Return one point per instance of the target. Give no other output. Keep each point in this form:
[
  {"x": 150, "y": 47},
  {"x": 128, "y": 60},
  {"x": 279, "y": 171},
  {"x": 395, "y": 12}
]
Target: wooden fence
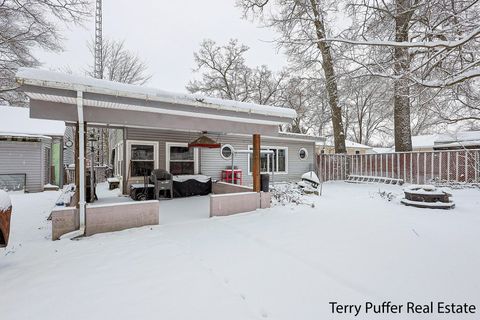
[{"x": 412, "y": 167}]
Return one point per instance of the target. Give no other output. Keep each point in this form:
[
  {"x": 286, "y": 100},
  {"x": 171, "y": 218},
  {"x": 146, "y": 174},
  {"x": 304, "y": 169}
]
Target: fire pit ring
[{"x": 427, "y": 196}]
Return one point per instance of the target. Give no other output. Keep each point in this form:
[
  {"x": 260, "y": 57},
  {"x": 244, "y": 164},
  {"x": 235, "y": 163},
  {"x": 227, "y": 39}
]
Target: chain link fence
[{"x": 412, "y": 167}]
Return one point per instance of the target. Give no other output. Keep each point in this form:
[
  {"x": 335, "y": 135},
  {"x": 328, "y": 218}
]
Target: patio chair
[{"x": 163, "y": 182}]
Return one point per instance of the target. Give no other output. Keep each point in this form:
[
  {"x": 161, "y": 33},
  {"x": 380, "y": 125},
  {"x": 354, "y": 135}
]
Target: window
[
  {"x": 143, "y": 157},
  {"x": 226, "y": 151},
  {"x": 181, "y": 159},
  {"x": 278, "y": 161},
  {"x": 303, "y": 153},
  {"x": 357, "y": 151}
]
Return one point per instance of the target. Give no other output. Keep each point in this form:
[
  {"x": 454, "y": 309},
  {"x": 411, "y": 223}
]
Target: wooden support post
[{"x": 256, "y": 163}]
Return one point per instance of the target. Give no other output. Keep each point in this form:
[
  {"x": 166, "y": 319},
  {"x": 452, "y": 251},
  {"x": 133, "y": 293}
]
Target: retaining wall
[
  {"x": 224, "y": 187},
  {"x": 64, "y": 220},
  {"x": 231, "y": 203},
  {"x": 120, "y": 216}
]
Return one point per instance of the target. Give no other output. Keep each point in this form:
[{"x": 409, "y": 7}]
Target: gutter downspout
[{"x": 81, "y": 159}]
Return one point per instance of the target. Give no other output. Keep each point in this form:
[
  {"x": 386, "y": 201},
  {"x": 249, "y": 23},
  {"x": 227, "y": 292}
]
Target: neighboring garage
[{"x": 31, "y": 151}]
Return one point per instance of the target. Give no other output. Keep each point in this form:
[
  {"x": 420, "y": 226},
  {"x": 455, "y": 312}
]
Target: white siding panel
[{"x": 23, "y": 157}]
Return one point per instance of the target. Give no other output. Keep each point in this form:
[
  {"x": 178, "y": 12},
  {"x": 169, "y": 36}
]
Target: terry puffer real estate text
[{"x": 388, "y": 307}]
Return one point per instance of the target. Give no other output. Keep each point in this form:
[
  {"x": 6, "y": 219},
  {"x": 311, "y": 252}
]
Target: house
[
  {"x": 423, "y": 143},
  {"x": 440, "y": 141},
  {"x": 328, "y": 147},
  {"x": 446, "y": 141},
  {"x": 31, "y": 150},
  {"x": 458, "y": 140},
  {"x": 293, "y": 154},
  {"x": 152, "y": 129}
]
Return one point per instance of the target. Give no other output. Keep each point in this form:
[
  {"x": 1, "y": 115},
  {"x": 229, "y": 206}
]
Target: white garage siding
[{"x": 24, "y": 157}]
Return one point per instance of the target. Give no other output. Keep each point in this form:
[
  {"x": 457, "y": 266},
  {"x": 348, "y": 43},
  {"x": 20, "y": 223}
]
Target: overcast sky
[{"x": 165, "y": 34}]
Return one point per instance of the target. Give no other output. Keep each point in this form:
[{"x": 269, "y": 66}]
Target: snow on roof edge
[
  {"x": 60, "y": 80},
  {"x": 16, "y": 121},
  {"x": 348, "y": 144}
]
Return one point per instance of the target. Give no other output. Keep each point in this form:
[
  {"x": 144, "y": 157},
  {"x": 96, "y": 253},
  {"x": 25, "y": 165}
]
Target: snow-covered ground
[{"x": 287, "y": 262}]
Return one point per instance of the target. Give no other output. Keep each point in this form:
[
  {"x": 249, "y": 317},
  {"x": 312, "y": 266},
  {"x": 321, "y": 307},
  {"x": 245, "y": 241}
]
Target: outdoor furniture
[
  {"x": 236, "y": 178},
  {"x": 141, "y": 192},
  {"x": 183, "y": 186},
  {"x": 113, "y": 183},
  {"x": 373, "y": 179},
  {"x": 191, "y": 185},
  {"x": 163, "y": 182}
]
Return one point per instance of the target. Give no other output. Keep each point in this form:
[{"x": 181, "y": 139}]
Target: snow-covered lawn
[{"x": 280, "y": 263}]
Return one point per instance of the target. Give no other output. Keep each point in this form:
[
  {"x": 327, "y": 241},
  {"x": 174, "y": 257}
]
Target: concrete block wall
[
  {"x": 64, "y": 220},
  {"x": 232, "y": 203},
  {"x": 120, "y": 216}
]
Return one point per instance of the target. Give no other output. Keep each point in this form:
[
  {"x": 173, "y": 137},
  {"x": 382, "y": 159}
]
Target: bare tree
[
  {"x": 120, "y": 64},
  {"x": 302, "y": 25},
  {"x": 224, "y": 74},
  {"x": 368, "y": 108},
  {"x": 307, "y": 96},
  {"x": 29, "y": 24},
  {"x": 432, "y": 44},
  {"x": 459, "y": 105}
]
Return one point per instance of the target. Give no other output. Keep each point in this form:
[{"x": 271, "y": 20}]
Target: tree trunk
[
  {"x": 331, "y": 80},
  {"x": 401, "y": 103}
]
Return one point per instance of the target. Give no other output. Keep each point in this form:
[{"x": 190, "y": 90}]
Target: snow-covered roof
[
  {"x": 32, "y": 76},
  {"x": 446, "y": 139},
  {"x": 424, "y": 141},
  {"x": 463, "y": 136},
  {"x": 303, "y": 136},
  {"x": 16, "y": 121},
  {"x": 348, "y": 144},
  {"x": 383, "y": 150}
]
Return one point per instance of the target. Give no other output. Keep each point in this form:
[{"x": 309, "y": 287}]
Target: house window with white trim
[
  {"x": 181, "y": 159},
  {"x": 143, "y": 160},
  {"x": 142, "y": 157},
  {"x": 277, "y": 162}
]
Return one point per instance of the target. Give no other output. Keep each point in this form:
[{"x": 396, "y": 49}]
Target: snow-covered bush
[{"x": 286, "y": 193}]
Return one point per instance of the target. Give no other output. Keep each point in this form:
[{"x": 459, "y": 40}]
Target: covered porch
[{"x": 86, "y": 102}]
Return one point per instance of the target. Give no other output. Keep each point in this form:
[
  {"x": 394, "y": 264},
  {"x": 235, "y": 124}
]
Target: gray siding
[
  {"x": 211, "y": 163},
  {"x": 24, "y": 157}
]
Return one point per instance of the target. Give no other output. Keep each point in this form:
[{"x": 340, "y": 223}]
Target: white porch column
[{"x": 81, "y": 158}]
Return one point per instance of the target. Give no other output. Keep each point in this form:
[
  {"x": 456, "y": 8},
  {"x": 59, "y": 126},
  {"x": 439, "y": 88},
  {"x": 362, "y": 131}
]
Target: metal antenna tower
[{"x": 98, "y": 71}]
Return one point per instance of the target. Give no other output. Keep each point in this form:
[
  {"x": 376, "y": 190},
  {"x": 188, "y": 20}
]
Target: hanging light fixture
[{"x": 204, "y": 142}]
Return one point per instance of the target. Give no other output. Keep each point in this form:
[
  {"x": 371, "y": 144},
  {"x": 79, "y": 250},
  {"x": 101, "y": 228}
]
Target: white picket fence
[{"x": 412, "y": 167}]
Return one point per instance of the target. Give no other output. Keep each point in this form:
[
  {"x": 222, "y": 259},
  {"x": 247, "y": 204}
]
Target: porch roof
[{"x": 53, "y": 96}]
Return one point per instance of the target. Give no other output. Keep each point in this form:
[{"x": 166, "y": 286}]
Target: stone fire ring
[{"x": 427, "y": 196}]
